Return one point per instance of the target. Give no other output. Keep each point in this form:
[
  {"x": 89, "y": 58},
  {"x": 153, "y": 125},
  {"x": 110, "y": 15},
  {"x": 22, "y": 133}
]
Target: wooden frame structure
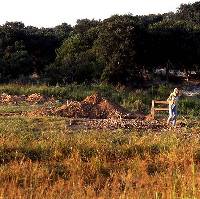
[{"x": 154, "y": 109}]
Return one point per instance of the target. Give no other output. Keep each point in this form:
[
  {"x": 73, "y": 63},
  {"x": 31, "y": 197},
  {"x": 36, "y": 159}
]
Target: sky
[{"x": 49, "y": 13}]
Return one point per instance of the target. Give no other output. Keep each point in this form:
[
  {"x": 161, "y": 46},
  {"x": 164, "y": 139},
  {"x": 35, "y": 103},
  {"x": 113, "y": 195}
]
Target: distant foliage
[
  {"x": 24, "y": 50},
  {"x": 122, "y": 49}
]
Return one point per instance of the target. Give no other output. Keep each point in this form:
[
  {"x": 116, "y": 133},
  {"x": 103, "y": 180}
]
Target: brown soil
[
  {"x": 94, "y": 112},
  {"x": 93, "y": 107},
  {"x": 112, "y": 124},
  {"x": 15, "y": 99}
]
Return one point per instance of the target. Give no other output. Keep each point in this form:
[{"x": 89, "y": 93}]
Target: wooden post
[{"x": 152, "y": 109}]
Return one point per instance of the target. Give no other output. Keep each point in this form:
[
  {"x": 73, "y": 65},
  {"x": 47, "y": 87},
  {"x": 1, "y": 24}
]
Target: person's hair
[{"x": 176, "y": 91}]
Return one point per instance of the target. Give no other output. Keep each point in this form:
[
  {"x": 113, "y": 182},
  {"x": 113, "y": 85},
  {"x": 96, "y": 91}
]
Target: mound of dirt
[
  {"x": 11, "y": 99},
  {"x": 93, "y": 107},
  {"x": 34, "y": 98}
]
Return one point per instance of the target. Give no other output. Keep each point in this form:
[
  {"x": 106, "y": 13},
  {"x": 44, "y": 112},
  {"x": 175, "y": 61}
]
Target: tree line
[{"x": 120, "y": 49}]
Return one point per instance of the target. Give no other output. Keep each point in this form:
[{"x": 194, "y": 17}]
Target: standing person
[{"x": 173, "y": 100}]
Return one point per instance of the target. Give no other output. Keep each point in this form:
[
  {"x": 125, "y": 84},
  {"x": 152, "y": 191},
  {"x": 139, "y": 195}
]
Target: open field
[
  {"x": 42, "y": 157},
  {"x": 53, "y": 156},
  {"x": 84, "y": 106}
]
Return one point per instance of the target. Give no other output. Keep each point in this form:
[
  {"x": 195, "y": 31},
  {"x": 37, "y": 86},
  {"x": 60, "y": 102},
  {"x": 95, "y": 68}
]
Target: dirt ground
[{"x": 94, "y": 112}]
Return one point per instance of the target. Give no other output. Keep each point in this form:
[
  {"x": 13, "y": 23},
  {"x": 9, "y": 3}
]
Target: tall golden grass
[{"x": 43, "y": 158}]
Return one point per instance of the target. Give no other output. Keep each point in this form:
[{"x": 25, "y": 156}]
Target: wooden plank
[
  {"x": 153, "y": 104},
  {"x": 152, "y": 109},
  {"x": 161, "y": 109},
  {"x": 160, "y": 102}
]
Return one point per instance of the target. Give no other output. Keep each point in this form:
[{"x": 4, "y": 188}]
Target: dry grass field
[
  {"x": 42, "y": 157},
  {"x": 53, "y": 156}
]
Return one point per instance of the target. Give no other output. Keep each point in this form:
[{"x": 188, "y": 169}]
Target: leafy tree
[
  {"x": 120, "y": 49},
  {"x": 76, "y": 60},
  {"x": 83, "y": 25},
  {"x": 116, "y": 47},
  {"x": 189, "y": 12},
  {"x": 62, "y": 31},
  {"x": 18, "y": 60}
]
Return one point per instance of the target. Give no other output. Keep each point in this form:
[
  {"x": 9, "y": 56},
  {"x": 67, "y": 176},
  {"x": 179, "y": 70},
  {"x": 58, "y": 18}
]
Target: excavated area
[
  {"x": 92, "y": 107},
  {"x": 94, "y": 112}
]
